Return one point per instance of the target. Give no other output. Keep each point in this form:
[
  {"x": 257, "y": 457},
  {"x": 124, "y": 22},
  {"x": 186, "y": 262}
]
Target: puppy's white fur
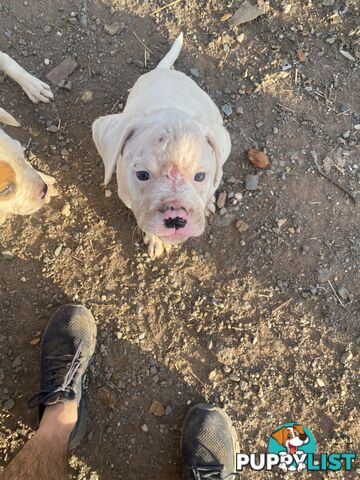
[
  {"x": 171, "y": 129},
  {"x": 22, "y": 193}
]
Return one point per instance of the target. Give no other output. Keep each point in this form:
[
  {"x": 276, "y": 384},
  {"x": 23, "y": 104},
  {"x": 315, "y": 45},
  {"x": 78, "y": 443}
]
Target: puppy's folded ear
[
  {"x": 110, "y": 134},
  {"x": 219, "y": 139},
  {"x": 8, "y": 119}
]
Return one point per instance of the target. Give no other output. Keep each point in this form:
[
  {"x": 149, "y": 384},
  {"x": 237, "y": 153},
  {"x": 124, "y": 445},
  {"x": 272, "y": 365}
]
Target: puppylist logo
[{"x": 292, "y": 447}]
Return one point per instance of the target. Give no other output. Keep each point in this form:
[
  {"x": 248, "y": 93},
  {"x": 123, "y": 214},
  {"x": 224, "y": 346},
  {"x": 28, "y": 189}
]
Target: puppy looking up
[
  {"x": 168, "y": 147},
  {"x": 23, "y": 190}
]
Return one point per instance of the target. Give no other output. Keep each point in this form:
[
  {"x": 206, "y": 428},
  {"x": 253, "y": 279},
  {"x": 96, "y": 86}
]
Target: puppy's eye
[
  {"x": 143, "y": 175},
  {"x": 7, "y": 189},
  {"x": 289, "y": 435},
  {"x": 199, "y": 177}
]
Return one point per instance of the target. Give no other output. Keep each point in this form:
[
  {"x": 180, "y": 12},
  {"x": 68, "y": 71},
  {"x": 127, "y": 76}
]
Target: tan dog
[
  {"x": 23, "y": 190},
  {"x": 168, "y": 148}
]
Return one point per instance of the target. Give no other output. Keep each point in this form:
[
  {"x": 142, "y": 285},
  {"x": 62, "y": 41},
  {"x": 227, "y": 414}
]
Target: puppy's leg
[
  {"x": 156, "y": 246},
  {"x": 34, "y": 88}
]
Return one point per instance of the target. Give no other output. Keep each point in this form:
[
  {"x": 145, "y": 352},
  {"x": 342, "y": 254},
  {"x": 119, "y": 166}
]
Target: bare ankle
[{"x": 59, "y": 418}]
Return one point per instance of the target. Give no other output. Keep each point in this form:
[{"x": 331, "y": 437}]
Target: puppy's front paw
[
  {"x": 155, "y": 245},
  {"x": 36, "y": 90},
  {"x": 210, "y": 207}
]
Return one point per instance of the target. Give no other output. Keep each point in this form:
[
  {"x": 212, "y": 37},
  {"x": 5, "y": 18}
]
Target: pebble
[
  {"x": 195, "y": 72},
  {"x": 234, "y": 377},
  {"x": 343, "y": 293},
  {"x": 346, "y": 357},
  {"x": 144, "y": 428},
  {"x": 17, "y": 362},
  {"x": 251, "y": 182},
  {"x": 240, "y": 37},
  {"x": 242, "y": 226},
  {"x": 320, "y": 382},
  {"x": 9, "y": 404},
  {"x": 83, "y": 20},
  {"x": 66, "y": 210},
  {"x": 47, "y": 29},
  {"x": 53, "y": 128},
  {"x": 328, "y": 3},
  {"x": 324, "y": 275},
  {"x": 168, "y": 410},
  {"x": 227, "y": 109},
  {"x": 212, "y": 375},
  {"x": 287, "y": 8},
  {"x": 114, "y": 28},
  {"x": 108, "y": 193},
  {"x": 157, "y": 409},
  {"x": 221, "y": 200},
  {"x": 7, "y": 255},
  {"x": 57, "y": 250},
  {"x": 239, "y": 110},
  {"x": 87, "y": 96}
]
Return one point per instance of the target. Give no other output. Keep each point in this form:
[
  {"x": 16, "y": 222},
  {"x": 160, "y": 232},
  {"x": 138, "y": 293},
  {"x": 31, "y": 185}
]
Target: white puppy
[
  {"x": 168, "y": 147},
  {"x": 23, "y": 190}
]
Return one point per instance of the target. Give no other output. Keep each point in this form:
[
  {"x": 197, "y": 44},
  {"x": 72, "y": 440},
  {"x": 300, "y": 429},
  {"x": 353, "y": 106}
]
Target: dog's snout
[
  {"x": 176, "y": 223},
  {"x": 43, "y": 191},
  {"x": 303, "y": 436}
]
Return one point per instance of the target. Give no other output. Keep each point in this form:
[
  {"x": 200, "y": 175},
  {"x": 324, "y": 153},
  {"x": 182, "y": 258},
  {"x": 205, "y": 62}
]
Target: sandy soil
[{"x": 247, "y": 320}]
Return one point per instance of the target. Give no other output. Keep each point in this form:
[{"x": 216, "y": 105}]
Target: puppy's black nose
[
  {"x": 44, "y": 191},
  {"x": 303, "y": 436},
  {"x": 176, "y": 223}
]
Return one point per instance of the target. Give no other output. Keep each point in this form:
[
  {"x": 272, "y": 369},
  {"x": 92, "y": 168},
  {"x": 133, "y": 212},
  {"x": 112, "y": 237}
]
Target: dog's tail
[{"x": 170, "y": 58}]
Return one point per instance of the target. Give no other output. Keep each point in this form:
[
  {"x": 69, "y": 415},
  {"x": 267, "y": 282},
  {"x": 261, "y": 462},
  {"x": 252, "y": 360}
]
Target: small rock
[
  {"x": 87, "y": 96},
  {"x": 247, "y": 12},
  {"x": 221, "y": 200},
  {"x": 83, "y": 21},
  {"x": 157, "y": 409},
  {"x": 300, "y": 55},
  {"x": 35, "y": 341},
  {"x": 62, "y": 71},
  {"x": 47, "y": 29},
  {"x": 225, "y": 17},
  {"x": 107, "y": 397},
  {"x": 343, "y": 293},
  {"x": 114, "y": 28},
  {"x": 257, "y": 158},
  {"x": 7, "y": 255},
  {"x": 195, "y": 72},
  {"x": 212, "y": 375},
  {"x": 53, "y": 128},
  {"x": 144, "y": 428},
  {"x": 346, "y": 357},
  {"x": 324, "y": 275},
  {"x": 320, "y": 382},
  {"x": 108, "y": 193},
  {"x": 9, "y": 404},
  {"x": 66, "y": 210},
  {"x": 57, "y": 250},
  {"x": 251, "y": 182},
  {"x": 287, "y": 8},
  {"x": 242, "y": 226},
  {"x": 328, "y": 3},
  {"x": 17, "y": 362},
  {"x": 227, "y": 109},
  {"x": 240, "y": 37},
  {"x": 234, "y": 377},
  {"x": 168, "y": 410},
  {"x": 239, "y": 110},
  {"x": 347, "y": 55}
]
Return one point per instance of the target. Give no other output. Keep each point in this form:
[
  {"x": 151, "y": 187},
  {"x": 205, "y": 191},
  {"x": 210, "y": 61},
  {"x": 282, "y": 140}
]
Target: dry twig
[
  {"x": 336, "y": 295},
  {"x": 165, "y": 6},
  {"x": 331, "y": 180}
]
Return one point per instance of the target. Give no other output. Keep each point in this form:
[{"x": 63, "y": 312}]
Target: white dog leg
[
  {"x": 156, "y": 246},
  {"x": 34, "y": 88},
  {"x": 210, "y": 207}
]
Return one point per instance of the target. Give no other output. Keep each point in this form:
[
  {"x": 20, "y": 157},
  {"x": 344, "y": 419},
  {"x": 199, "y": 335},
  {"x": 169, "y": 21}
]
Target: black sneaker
[
  {"x": 208, "y": 445},
  {"x": 67, "y": 346}
]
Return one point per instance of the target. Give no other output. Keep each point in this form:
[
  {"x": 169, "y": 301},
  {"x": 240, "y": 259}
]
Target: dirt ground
[{"x": 264, "y": 322}]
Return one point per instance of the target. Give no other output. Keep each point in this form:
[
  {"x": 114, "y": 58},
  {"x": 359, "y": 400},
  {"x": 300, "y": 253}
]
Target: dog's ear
[
  {"x": 8, "y": 119},
  {"x": 110, "y": 134},
  {"x": 219, "y": 140},
  {"x": 299, "y": 429},
  {"x": 279, "y": 436}
]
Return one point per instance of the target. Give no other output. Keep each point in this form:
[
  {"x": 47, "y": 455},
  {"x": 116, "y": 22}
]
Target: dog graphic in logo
[{"x": 292, "y": 439}]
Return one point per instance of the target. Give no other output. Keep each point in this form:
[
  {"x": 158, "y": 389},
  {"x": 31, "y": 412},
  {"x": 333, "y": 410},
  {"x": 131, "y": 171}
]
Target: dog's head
[
  {"x": 23, "y": 190},
  {"x": 291, "y": 437},
  {"x": 168, "y": 168}
]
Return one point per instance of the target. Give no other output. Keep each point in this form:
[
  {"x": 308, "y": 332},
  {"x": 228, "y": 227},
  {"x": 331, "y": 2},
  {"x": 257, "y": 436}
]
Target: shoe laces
[
  {"x": 58, "y": 364},
  {"x": 212, "y": 472}
]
